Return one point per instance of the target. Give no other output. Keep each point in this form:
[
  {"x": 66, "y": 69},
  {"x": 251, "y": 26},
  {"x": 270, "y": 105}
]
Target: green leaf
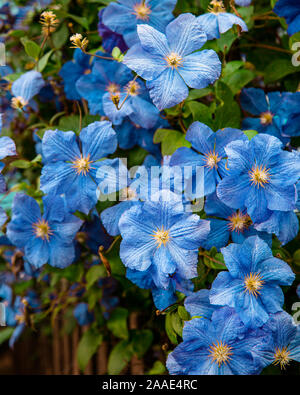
[
  {"x": 119, "y": 357},
  {"x": 170, "y": 140},
  {"x": 117, "y": 323},
  {"x": 5, "y": 334},
  {"x": 141, "y": 342},
  {"x": 31, "y": 48},
  {"x": 157, "y": 368},
  {"x": 21, "y": 164},
  {"x": 44, "y": 60},
  {"x": 183, "y": 314},
  {"x": 237, "y": 80},
  {"x": 60, "y": 37},
  {"x": 94, "y": 274},
  {"x": 170, "y": 330},
  {"x": 278, "y": 69},
  {"x": 88, "y": 346},
  {"x": 250, "y": 133},
  {"x": 199, "y": 111},
  {"x": 296, "y": 257}
]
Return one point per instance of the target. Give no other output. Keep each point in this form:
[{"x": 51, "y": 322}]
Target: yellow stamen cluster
[
  {"x": 266, "y": 118},
  {"x": 49, "y": 21},
  {"x": 259, "y": 176},
  {"x": 113, "y": 88},
  {"x": 82, "y": 165},
  {"x": 18, "y": 103},
  {"x": 216, "y": 6},
  {"x": 78, "y": 41},
  {"x": 212, "y": 159},
  {"x": 220, "y": 353},
  {"x": 133, "y": 88},
  {"x": 161, "y": 236},
  {"x": 238, "y": 222},
  {"x": 174, "y": 60},
  {"x": 42, "y": 229},
  {"x": 142, "y": 11},
  {"x": 253, "y": 283},
  {"x": 282, "y": 357}
]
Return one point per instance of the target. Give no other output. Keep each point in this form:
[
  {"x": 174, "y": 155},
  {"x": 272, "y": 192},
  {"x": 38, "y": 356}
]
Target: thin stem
[
  {"x": 80, "y": 116},
  {"x": 98, "y": 56},
  {"x": 126, "y": 97},
  {"x": 270, "y": 47},
  {"x": 211, "y": 258}
]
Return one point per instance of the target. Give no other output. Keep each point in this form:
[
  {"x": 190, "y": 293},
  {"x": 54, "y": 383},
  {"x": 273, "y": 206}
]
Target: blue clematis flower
[
  {"x": 45, "y": 238},
  {"x": 217, "y": 21},
  {"x": 27, "y": 86},
  {"x": 261, "y": 177},
  {"x": 95, "y": 235},
  {"x": 220, "y": 346},
  {"x": 198, "y": 304},
  {"x": 233, "y": 224},
  {"x": 169, "y": 63},
  {"x": 124, "y": 16},
  {"x": 110, "y": 39},
  {"x": 290, "y": 10},
  {"x": 275, "y": 113},
  {"x": 285, "y": 225},
  {"x": 72, "y": 71},
  {"x": 83, "y": 315},
  {"x": 163, "y": 298},
  {"x": 284, "y": 343},
  {"x": 251, "y": 285},
  {"x": 212, "y": 155},
  {"x": 109, "y": 83},
  {"x": 158, "y": 235},
  {"x": 72, "y": 170}
]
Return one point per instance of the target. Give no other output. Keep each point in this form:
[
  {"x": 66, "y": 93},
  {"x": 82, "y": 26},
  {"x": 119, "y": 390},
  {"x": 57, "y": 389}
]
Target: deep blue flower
[
  {"x": 212, "y": 155},
  {"x": 276, "y": 113},
  {"x": 290, "y": 10},
  {"x": 217, "y": 21},
  {"x": 158, "y": 235},
  {"x": 110, "y": 39},
  {"x": 284, "y": 343},
  {"x": 285, "y": 225},
  {"x": 251, "y": 285},
  {"x": 95, "y": 235},
  {"x": 72, "y": 71},
  {"x": 220, "y": 346},
  {"x": 47, "y": 237},
  {"x": 72, "y": 163},
  {"x": 198, "y": 304},
  {"x": 169, "y": 63},
  {"x": 124, "y": 16},
  {"x": 261, "y": 177},
  {"x": 163, "y": 298},
  {"x": 27, "y": 86},
  {"x": 83, "y": 315},
  {"x": 111, "y": 80},
  {"x": 234, "y": 224}
]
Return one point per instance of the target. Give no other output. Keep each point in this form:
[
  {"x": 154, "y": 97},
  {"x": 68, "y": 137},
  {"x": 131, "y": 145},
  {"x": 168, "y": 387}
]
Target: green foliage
[
  {"x": 88, "y": 346},
  {"x": 170, "y": 140}
]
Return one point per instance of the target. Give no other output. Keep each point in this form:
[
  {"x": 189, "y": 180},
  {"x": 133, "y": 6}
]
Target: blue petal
[
  {"x": 7, "y": 147},
  {"x": 168, "y": 89},
  {"x": 254, "y": 101},
  {"x": 185, "y": 34},
  {"x": 60, "y": 146},
  {"x": 28, "y": 85},
  {"x": 153, "y": 41}
]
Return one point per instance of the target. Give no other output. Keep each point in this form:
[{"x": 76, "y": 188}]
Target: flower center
[
  {"x": 113, "y": 88},
  {"x": 82, "y": 165},
  {"x": 220, "y": 353},
  {"x": 212, "y": 159},
  {"x": 238, "y": 222},
  {"x": 161, "y": 236},
  {"x": 282, "y": 357},
  {"x": 266, "y": 118},
  {"x": 259, "y": 175},
  {"x": 42, "y": 229},
  {"x": 133, "y": 88},
  {"x": 18, "y": 103},
  {"x": 216, "y": 7},
  {"x": 174, "y": 60},
  {"x": 142, "y": 11},
  {"x": 253, "y": 283}
]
